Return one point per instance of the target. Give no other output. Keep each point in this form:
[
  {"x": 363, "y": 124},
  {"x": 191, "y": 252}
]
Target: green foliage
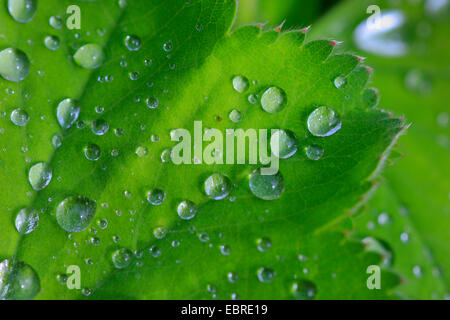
[{"x": 240, "y": 246}]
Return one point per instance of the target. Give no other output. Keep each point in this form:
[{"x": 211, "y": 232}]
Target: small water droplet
[
  {"x": 324, "y": 122},
  {"x": 52, "y": 42},
  {"x": 273, "y": 100},
  {"x": 314, "y": 152},
  {"x": 168, "y": 46},
  {"x": 156, "y": 196},
  {"x": 141, "y": 151},
  {"x": 160, "y": 232},
  {"x": 283, "y": 144},
  {"x": 240, "y": 83},
  {"x": 265, "y": 274},
  {"x": 304, "y": 290},
  {"x": 27, "y": 220},
  {"x": 67, "y": 112},
  {"x": 217, "y": 186},
  {"x": 92, "y": 152},
  {"x": 19, "y": 117},
  {"x": 152, "y": 102},
  {"x": 100, "y": 127},
  {"x": 89, "y": 56},
  {"x": 340, "y": 82},
  {"x": 187, "y": 209},
  {"x": 56, "y": 22},
  {"x": 133, "y": 42},
  {"x": 121, "y": 258},
  {"x": 263, "y": 244},
  {"x": 75, "y": 213},
  {"x": 40, "y": 175},
  {"x": 266, "y": 187},
  {"x": 235, "y": 116}
]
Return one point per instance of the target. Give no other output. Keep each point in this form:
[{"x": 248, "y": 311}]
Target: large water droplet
[
  {"x": 304, "y": 290},
  {"x": 122, "y": 258},
  {"x": 217, "y": 186},
  {"x": 75, "y": 213},
  {"x": 266, "y": 187},
  {"x": 67, "y": 112},
  {"x": 240, "y": 83},
  {"x": 324, "y": 122},
  {"x": 265, "y": 274},
  {"x": 132, "y": 42},
  {"x": 314, "y": 152},
  {"x": 273, "y": 100},
  {"x": 187, "y": 209},
  {"x": 19, "y": 117},
  {"x": 92, "y": 152},
  {"x": 89, "y": 56},
  {"x": 384, "y": 37},
  {"x": 14, "y": 64},
  {"x": 18, "y": 281},
  {"x": 156, "y": 196},
  {"x": 283, "y": 144},
  {"x": 27, "y": 220},
  {"x": 22, "y": 11},
  {"x": 40, "y": 175}
]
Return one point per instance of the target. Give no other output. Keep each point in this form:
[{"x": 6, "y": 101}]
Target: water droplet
[
  {"x": 240, "y": 83},
  {"x": 252, "y": 98},
  {"x": 55, "y": 22},
  {"x": 19, "y": 117},
  {"x": 232, "y": 277},
  {"x": 304, "y": 290},
  {"x": 324, "y": 122},
  {"x": 155, "y": 251},
  {"x": 89, "y": 56},
  {"x": 18, "y": 281},
  {"x": 62, "y": 278},
  {"x": 121, "y": 258},
  {"x": 27, "y": 220},
  {"x": 22, "y": 11},
  {"x": 40, "y": 175},
  {"x": 141, "y": 151},
  {"x": 264, "y": 244},
  {"x": 418, "y": 82},
  {"x": 156, "y": 196},
  {"x": 133, "y": 43},
  {"x": 217, "y": 186},
  {"x": 273, "y": 100},
  {"x": 168, "y": 46},
  {"x": 314, "y": 152},
  {"x": 160, "y": 232},
  {"x": 380, "y": 247},
  {"x": 203, "y": 236},
  {"x": 384, "y": 38},
  {"x": 57, "y": 140},
  {"x": 417, "y": 271},
  {"x": 51, "y": 42},
  {"x": 187, "y": 209},
  {"x": 235, "y": 116},
  {"x": 92, "y": 152},
  {"x": 265, "y": 274},
  {"x": 152, "y": 102},
  {"x": 67, "y": 112},
  {"x": 75, "y": 213},
  {"x": 100, "y": 127},
  {"x": 340, "y": 82},
  {"x": 383, "y": 219},
  {"x": 225, "y": 249},
  {"x": 404, "y": 237},
  {"x": 266, "y": 187},
  {"x": 14, "y": 64},
  {"x": 283, "y": 144}
]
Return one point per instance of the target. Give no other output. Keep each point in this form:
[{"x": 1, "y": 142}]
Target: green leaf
[
  {"x": 110, "y": 158},
  {"x": 414, "y": 85}
]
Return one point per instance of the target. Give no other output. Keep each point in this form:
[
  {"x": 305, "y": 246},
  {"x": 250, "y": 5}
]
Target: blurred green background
[{"x": 407, "y": 46}]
